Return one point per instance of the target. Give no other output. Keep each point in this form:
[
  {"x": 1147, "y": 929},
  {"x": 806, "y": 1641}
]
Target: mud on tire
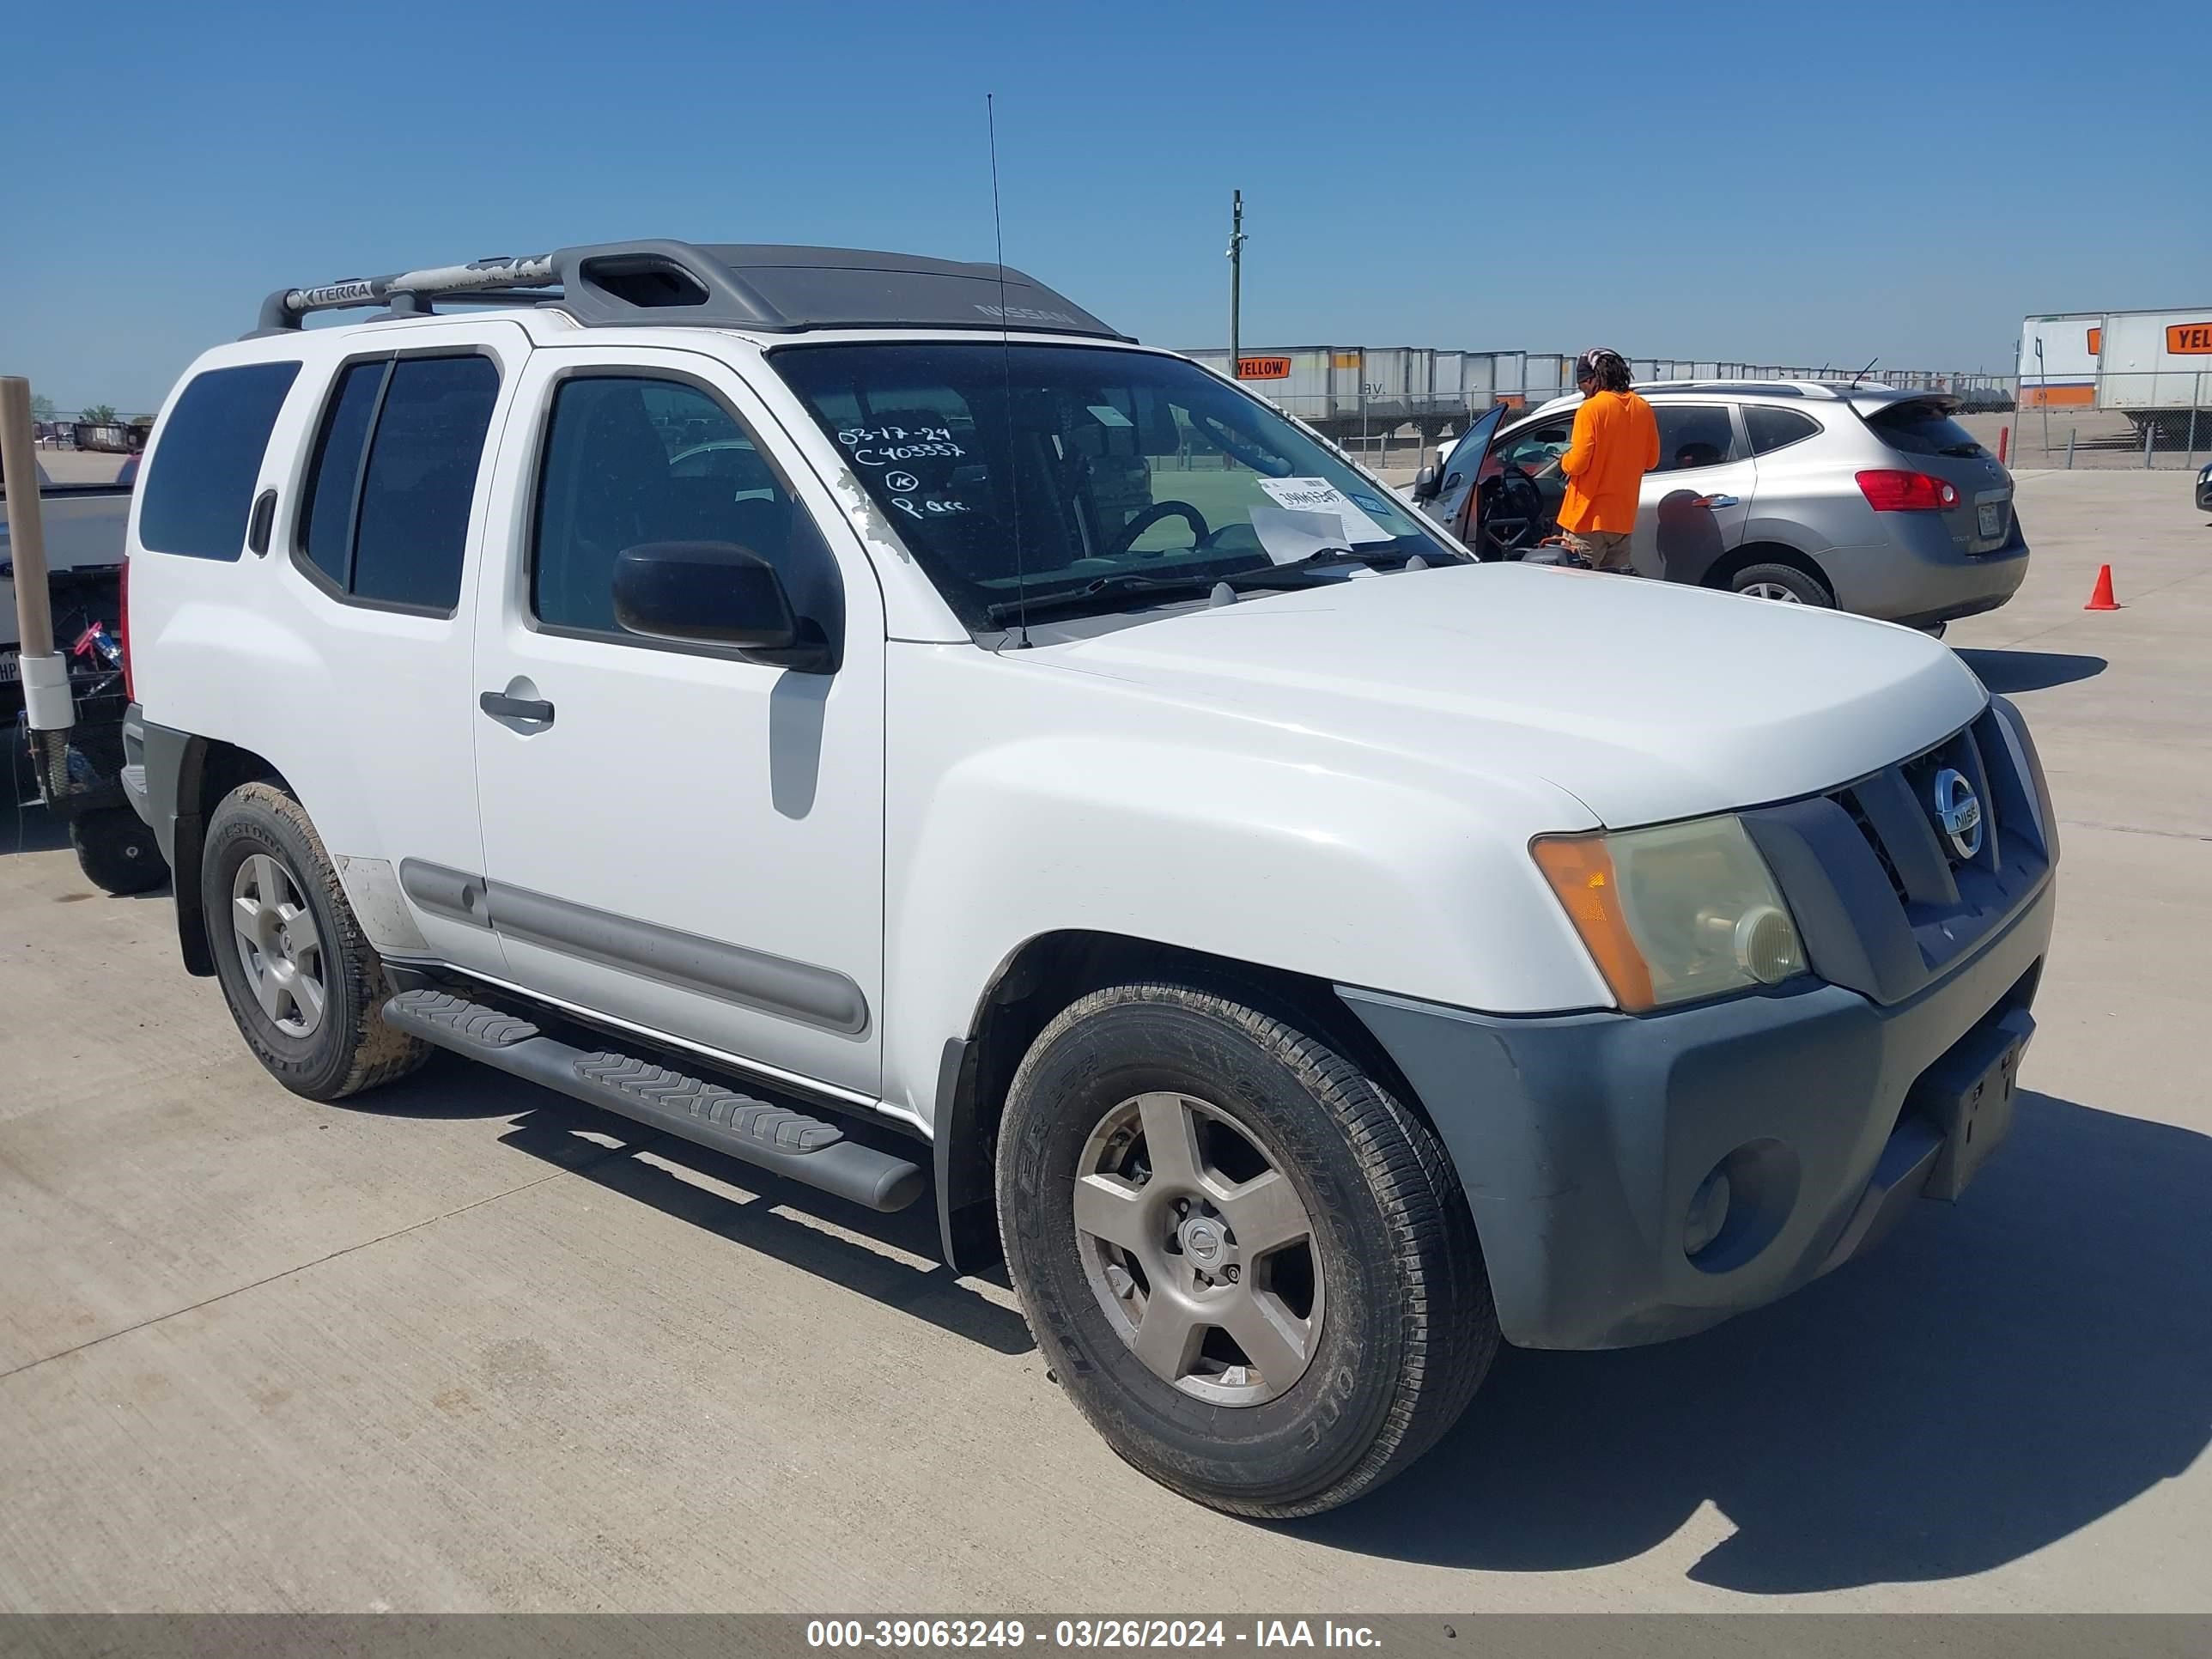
[{"x": 346, "y": 1047}]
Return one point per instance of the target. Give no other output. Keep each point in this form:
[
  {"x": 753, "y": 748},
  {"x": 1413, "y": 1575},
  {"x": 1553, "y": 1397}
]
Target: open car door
[{"x": 1452, "y": 490}]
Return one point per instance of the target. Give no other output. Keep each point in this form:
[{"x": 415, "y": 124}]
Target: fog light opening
[
  {"x": 1709, "y": 1208},
  {"x": 1741, "y": 1207}
]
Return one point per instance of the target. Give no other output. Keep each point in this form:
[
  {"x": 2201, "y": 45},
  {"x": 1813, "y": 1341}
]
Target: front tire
[
  {"x": 1252, "y": 1268},
  {"x": 306, "y": 991}
]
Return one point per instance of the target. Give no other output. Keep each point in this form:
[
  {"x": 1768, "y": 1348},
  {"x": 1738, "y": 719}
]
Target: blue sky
[{"x": 1779, "y": 181}]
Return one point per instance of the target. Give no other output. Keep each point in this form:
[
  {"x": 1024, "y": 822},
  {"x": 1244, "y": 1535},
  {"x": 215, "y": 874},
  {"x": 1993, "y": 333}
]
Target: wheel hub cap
[
  {"x": 278, "y": 945},
  {"x": 1199, "y": 1249},
  {"x": 1202, "y": 1241}
]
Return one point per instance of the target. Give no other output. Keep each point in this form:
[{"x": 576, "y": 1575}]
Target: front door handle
[
  {"x": 1716, "y": 501},
  {"x": 500, "y": 707}
]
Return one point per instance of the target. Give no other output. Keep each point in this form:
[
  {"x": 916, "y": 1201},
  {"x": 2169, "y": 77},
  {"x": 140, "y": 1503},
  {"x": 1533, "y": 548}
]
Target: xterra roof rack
[{"x": 769, "y": 288}]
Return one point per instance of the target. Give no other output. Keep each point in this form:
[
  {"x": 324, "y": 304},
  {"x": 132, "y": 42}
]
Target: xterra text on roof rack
[{"x": 740, "y": 688}]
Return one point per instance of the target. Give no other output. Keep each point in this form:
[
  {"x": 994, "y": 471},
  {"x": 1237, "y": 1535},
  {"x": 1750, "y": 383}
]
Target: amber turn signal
[{"x": 1581, "y": 872}]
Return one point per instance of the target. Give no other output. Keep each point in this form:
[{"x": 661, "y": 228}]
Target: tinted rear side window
[
  {"x": 1691, "y": 435},
  {"x": 421, "y": 478},
  {"x": 200, "y": 488},
  {"x": 1923, "y": 429},
  {"x": 1776, "y": 429},
  {"x": 386, "y": 516}
]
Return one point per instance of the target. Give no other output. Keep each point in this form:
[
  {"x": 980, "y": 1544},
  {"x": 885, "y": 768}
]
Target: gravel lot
[{"x": 465, "y": 1345}]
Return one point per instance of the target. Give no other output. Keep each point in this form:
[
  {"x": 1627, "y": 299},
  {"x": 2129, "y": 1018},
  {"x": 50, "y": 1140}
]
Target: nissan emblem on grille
[{"x": 1959, "y": 812}]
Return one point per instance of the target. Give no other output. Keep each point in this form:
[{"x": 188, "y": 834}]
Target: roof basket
[{"x": 769, "y": 288}]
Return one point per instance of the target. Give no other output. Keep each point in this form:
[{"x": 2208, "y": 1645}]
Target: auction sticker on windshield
[{"x": 1320, "y": 496}]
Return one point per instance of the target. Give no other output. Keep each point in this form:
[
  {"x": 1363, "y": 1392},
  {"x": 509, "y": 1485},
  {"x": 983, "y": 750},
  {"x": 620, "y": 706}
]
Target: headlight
[{"x": 1673, "y": 913}]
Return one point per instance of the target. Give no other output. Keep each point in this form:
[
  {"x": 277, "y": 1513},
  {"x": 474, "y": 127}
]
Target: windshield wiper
[
  {"x": 1374, "y": 559},
  {"x": 1305, "y": 571},
  {"x": 1311, "y": 570},
  {"x": 1108, "y": 588}
]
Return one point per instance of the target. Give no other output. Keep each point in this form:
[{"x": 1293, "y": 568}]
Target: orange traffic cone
[{"x": 2102, "y": 598}]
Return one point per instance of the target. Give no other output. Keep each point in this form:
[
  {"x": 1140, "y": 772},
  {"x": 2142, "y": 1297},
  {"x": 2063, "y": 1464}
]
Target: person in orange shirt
[{"x": 1615, "y": 442}]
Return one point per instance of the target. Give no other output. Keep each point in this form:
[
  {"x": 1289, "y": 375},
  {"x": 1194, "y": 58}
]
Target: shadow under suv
[{"x": 1863, "y": 498}]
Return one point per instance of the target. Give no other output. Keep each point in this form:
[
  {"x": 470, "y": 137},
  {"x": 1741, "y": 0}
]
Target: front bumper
[{"x": 1583, "y": 1139}]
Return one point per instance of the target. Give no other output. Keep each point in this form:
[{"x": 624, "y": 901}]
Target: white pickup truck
[
  {"x": 861, "y": 714},
  {"x": 84, "y": 525}
]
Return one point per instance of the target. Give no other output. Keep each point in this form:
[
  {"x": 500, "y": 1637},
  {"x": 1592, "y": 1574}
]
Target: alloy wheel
[
  {"x": 1199, "y": 1248},
  {"x": 278, "y": 945}
]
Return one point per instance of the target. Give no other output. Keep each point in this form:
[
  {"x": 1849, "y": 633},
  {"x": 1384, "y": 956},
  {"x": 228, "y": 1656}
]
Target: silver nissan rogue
[{"x": 1864, "y": 498}]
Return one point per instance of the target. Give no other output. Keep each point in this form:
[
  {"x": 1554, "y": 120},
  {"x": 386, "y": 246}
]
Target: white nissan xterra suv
[{"x": 862, "y": 714}]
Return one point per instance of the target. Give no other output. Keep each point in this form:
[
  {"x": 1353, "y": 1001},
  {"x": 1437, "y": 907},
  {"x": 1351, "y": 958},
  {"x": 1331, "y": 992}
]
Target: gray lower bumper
[
  {"x": 1582, "y": 1139},
  {"x": 133, "y": 776},
  {"x": 1921, "y": 577}
]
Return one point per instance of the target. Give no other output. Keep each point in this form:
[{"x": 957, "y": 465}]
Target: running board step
[{"x": 774, "y": 1137}]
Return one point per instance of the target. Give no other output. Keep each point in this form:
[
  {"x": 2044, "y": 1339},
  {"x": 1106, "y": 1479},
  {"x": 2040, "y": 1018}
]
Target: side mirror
[
  {"x": 1425, "y": 484},
  {"x": 717, "y": 594}
]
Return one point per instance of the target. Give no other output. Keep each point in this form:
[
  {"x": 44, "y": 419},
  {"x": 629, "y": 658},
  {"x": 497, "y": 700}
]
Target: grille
[
  {"x": 1848, "y": 800},
  {"x": 1834, "y": 853},
  {"x": 1963, "y": 754},
  {"x": 1894, "y": 811}
]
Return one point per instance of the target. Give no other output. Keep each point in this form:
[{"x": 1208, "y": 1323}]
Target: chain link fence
[
  {"x": 2154, "y": 419},
  {"x": 1391, "y": 407}
]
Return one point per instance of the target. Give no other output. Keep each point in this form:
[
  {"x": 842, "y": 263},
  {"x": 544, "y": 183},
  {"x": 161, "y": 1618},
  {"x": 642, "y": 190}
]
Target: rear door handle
[
  {"x": 1716, "y": 501},
  {"x": 500, "y": 707}
]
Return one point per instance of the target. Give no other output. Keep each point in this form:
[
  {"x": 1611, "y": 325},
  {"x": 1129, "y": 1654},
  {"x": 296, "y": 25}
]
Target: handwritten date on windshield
[{"x": 854, "y": 436}]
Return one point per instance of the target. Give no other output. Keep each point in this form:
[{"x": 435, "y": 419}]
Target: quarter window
[
  {"x": 1692, "y": 436},
  {"x": 386, "y": 517},
  {"x": 1776, "y": 429},
  {"x": 200, "y": 488},
  {"x": 629, "y": 459},
  {"x": 328, "y": 515}
]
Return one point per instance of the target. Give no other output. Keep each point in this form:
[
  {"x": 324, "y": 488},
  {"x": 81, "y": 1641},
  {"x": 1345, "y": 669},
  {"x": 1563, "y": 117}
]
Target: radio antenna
[{"x": 1006, "y": 378}]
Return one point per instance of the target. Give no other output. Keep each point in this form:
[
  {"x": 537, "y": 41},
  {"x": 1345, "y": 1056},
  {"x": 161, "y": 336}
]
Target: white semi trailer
[{"x": 2153, "y": 366}]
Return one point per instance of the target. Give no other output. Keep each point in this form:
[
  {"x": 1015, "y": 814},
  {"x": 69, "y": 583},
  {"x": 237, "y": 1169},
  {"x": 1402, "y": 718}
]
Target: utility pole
[{"x": 1235, "y": 283}]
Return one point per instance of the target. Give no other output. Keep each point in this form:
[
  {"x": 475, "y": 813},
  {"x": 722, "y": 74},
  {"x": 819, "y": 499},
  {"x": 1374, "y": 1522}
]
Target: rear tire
[
  {"x": 303, "y": 984},
  {"x": 1783, "y": 582},
  {"x": 1378, "y": 1324},
  {"x": 117, "y": 852}
]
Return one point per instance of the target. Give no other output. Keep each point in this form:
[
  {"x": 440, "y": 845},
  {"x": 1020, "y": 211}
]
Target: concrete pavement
[{"x": 465, "y": 1345}]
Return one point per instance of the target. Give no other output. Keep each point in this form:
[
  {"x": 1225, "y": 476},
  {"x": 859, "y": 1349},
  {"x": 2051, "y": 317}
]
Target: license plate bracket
[{"x": 1969, "y": 1096}]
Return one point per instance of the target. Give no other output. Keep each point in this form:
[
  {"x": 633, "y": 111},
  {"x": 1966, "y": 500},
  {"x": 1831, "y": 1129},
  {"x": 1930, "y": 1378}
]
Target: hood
[{"x": 1646, "y": 702}]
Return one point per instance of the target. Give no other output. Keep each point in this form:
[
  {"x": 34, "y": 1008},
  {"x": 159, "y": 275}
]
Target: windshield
[{"x": 1130, "y": 476}]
